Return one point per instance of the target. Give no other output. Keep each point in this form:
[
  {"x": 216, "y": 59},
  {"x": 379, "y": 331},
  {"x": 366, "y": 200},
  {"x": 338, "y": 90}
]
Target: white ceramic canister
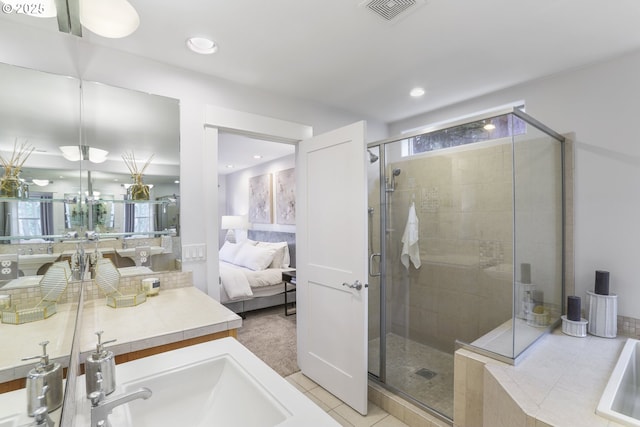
[{"x": 151, "y": 286}]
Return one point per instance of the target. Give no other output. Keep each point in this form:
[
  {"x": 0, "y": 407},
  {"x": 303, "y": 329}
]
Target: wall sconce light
[
  {"x": 75, "y": 153},
  {"x": 109, "y": 18},
  {"x": 231, "y": 223}
]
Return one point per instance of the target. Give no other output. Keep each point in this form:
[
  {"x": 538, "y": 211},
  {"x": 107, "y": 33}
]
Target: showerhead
[
  {"x": 391, "y": 185},
  {"x": 372, "y": 157}
]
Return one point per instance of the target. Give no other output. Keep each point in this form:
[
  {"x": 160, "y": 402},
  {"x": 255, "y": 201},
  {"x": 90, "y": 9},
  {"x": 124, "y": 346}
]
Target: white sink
[
  {"x": 216, "y": 383},
  {"x": 131, "y": 252},
  {"x": 10, "y": 421},
  {"x": 218, "y": 398},
  {"x": 29, "y": 264}
]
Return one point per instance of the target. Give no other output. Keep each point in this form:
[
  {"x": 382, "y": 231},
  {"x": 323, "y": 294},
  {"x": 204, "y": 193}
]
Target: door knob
[{"x": 357, "y": 285}]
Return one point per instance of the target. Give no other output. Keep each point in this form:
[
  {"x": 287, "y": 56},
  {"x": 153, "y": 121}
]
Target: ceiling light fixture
[
  {"x": 109, "y": 18},
  {"x": 417, "y": 92},
  {"x": 257, "y": 156},
  {"x": 75, "y": 153},
  {"x": 229, "y": 166},
  {"x": 202, "y": 45},
  {"x": 41, "y": 182}
]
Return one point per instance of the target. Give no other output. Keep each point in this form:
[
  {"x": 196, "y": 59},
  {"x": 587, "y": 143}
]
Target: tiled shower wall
[{"x": 464, "y": 201}]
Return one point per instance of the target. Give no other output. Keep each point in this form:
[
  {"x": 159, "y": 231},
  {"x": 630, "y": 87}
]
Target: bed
[{"x": 251, "y": 271}]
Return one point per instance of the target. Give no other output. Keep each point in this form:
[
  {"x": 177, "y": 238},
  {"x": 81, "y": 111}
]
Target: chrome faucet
[{"x": 101, "y": 408}]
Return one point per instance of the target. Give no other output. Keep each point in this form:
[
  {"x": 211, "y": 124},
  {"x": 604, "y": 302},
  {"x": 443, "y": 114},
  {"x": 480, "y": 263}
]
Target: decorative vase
[
  {"x": 138, "y": 190},
  {"x": 11, "y": 186}
]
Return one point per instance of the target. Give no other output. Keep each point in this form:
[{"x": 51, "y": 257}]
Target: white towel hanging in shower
[{"x": 410, "y": 248}]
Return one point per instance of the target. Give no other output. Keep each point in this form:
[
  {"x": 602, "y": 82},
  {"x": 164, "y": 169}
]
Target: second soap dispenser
[
  {"x": 102, "y": 361},
  {"x": 45, "y": 374}
]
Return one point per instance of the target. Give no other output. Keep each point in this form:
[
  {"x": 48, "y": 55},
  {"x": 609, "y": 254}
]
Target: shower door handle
[
  {"x": 357, "y": 285},
  {"x": 371, "y": 273}
]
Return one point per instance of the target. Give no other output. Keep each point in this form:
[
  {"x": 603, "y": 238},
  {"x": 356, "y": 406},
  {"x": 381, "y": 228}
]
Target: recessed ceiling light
[
  {"x": 202, "y": 45},
  {"x": 257, "y": 156},
  {"x": 177, "y": 181},
  {"x": 489, "y": 126},
  {"x": 417, "y": 92},
  {"x": 229, "y": 166}
]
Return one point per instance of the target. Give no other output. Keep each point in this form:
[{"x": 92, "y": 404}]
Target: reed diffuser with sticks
[
  {"x": 10, "y": 184},
  {"x": 138, "y": 190}
]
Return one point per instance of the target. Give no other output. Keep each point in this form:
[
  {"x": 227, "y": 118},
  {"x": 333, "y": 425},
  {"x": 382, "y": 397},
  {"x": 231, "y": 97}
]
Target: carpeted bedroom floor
[{"x": 271, "y": 336}]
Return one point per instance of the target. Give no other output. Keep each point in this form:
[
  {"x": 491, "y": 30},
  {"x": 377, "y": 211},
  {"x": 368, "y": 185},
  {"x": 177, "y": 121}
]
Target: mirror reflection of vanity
[
  {"x": 81, "y": 205},
  {"x": 69, "y": 195}
]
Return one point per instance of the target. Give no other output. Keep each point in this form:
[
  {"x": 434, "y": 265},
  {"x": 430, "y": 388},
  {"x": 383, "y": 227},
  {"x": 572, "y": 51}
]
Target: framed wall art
[
  {"x": 260, "y": 197},
  {"x": 286, "y": 197}
]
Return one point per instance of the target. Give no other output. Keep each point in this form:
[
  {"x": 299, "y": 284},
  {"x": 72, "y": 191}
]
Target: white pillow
[
  {"x": 254, "y": 257},
  {"x": 228, "y": 251},
  {"x": 281, "y": 249}
]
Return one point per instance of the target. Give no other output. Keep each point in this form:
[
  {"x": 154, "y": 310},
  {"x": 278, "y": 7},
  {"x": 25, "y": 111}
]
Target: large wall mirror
[{"x": 76, "y": 199}]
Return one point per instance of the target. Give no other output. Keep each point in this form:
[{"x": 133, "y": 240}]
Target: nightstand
[{"x": 289, "y": 279}]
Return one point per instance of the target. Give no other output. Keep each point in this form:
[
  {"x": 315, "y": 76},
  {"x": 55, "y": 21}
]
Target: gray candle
[
  {"x": 602, "y": 282},
  {"x": 525, "y": 273},
  {"x": 573, "y": 308}
]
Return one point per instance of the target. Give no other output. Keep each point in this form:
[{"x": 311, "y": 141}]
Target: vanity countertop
[
  {"x": 560, "y": 381},
  {"x": 20, "y": 341},
  {"x": 171, "y": 316}
]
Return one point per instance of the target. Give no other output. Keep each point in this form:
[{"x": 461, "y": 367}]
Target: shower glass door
[
  {"x": 375, "y": 255},
  {"x": 454, "y": 215}
]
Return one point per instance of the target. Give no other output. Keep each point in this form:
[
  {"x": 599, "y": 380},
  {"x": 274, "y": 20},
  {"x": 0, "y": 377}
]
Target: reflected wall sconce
[
  {"x": 76, "y": 153},
  {"x": 231, "y": 223},
  {"x": 489, "y": 126}
]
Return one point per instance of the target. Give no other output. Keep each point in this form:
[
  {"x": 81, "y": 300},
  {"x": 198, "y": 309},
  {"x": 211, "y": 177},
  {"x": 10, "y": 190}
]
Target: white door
[{"x": 331, "y": 263}]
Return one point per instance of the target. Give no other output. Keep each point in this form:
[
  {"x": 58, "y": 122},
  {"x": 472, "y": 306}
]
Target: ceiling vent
[{"x": 392, "y": 10}]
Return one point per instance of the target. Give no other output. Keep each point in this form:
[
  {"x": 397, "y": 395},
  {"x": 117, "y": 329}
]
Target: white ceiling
[{"x": 338, "y": 53}]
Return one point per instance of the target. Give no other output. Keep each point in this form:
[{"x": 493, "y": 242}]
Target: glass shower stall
[{"x": 466, "y": 248}]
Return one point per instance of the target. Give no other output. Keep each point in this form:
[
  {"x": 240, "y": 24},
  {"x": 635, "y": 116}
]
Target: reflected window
[
  {"x": 35, "y": 218},
  {"x": 138, "y": 218}
]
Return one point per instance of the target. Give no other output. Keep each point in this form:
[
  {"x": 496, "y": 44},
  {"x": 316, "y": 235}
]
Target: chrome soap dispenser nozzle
[
  {"x": 101, "y": 361},
  {"x": 45, "y": 374}
]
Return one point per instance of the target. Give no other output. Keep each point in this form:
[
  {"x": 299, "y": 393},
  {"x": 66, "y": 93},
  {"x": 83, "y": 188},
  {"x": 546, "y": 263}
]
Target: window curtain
[
  {"x": 4, "y": 224},
  {"x": 129, "y": 217},
  {"x": 46, "y": 215}
]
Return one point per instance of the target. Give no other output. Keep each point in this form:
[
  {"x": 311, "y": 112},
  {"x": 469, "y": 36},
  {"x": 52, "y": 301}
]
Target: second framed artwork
[{"x": 286, "y": 197}]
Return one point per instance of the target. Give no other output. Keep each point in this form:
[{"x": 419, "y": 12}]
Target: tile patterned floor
[
  {"x": 342, "y": 413},
  {"x": 405, "y": 358}
]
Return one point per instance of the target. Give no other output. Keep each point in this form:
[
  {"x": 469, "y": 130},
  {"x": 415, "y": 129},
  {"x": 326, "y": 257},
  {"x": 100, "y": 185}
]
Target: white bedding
[{"x": 238, "y": 282}]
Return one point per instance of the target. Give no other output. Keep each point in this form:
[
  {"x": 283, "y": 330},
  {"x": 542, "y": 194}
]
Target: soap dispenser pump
[
  {"x": 44, "y": 374},
  {"x": 102, "y": 361}
]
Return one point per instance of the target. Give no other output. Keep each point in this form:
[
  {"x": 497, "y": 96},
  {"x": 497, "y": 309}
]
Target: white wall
[
  {"x": 69, "y": 55},
  {"x": 600, "y": 104}
]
